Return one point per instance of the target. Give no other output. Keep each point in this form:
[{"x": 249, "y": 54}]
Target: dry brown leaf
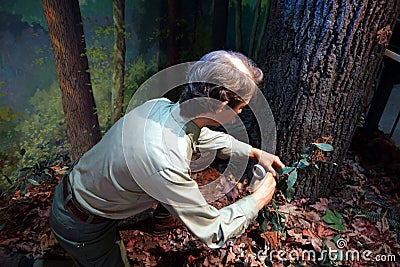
[
  {"x": 231, "y": 256},
  {"x": 8, "y": 241},
  {"x": 271, "y": 238},
  {"x": 205, "y": 262},
  {"x": 313, "y": 216},
  {"x": 289, "y": 208},
  {"x": 25, "y": 247},
  {"x": 314, "y": 239},
  {"x": 383, "y": 35},
  {"x": 44, "y": 242},
  {"x": 44, "y": 213},
  {"x": 297, "y": 236},
  {"x": 321, "y": 204},
  {"x": 306, "y": 224},
  {"x": 383, "y": 225},
  {"x": 317, "y": 244},
  {"x": 324, "y": 232}
]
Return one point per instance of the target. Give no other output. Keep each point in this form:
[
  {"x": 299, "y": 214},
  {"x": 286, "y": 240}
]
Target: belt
[{"x": 75, "y": 209}]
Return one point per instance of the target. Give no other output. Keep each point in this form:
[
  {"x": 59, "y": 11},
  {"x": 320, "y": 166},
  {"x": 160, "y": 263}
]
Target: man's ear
[{"x": 222, "y": 106}]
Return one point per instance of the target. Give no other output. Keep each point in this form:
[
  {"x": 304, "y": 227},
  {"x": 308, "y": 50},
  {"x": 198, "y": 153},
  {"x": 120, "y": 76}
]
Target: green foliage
[
  {"x": 334, "y": 219},
  {"x": 265, "y": 217},
  {"x": 44, "y": 129},
  {"x": 305, "y": 162},
  {"x": 138, "y": 71},
  {"x": 8, "y": 137},
  {"x": 95, "y": 8},
  {"x": 8, "y": 121},
  {"x": 323, "y": 146},
  {"x": 25, "y": 175},
  {"x": 391, "y": 214},
  {"x": 104, "y": 31},
  {"x": 30, "y": 11},
  {"x": 101, "y": 67},
  {"x": 41, "y": 131},
  {"x": 40, "y": 137},
  {"x": 100, "y": 58},
  {"x": 7, "y": 115}
]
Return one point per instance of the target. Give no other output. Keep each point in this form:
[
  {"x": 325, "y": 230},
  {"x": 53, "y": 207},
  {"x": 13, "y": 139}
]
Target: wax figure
[{"x": 144, "y": 159}]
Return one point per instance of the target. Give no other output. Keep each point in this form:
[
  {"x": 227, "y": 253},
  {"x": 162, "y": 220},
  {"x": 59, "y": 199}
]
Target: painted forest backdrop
[{"x": 32, "y": 128}]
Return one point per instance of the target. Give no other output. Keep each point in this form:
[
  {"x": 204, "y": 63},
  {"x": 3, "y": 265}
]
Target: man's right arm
[{"x": 265, "y": 191}]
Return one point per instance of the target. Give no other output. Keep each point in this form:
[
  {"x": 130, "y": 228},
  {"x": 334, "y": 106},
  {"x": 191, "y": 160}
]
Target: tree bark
[
  {"x": 220, "y": 24},
  {"x": 320, "y": 72},
  {"x": 66, "y": 34},
  {"x": 117, "y": 94}
]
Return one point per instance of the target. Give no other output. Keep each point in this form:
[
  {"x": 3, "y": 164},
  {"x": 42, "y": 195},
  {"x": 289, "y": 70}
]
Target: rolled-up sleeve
[
  {"x": 225, "y": 144},
  {"x": 214, "y": 227}
]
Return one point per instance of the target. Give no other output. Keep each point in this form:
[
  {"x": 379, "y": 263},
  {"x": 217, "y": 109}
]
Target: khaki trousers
[{"x": 88, "y": 244}]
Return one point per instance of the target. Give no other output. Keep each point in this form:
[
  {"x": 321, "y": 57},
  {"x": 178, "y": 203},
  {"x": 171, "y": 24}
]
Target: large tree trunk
[
  {"x": 117, "y": 95},
  {"x": 219, "y": 24},
  {"x": 66, "y": 33},
  {"x": 321, "y": 66}
]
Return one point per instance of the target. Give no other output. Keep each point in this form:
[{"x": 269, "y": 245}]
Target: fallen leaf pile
[
  {"x": 24, "y": 222},
  {"x": 365, "y": 202}
]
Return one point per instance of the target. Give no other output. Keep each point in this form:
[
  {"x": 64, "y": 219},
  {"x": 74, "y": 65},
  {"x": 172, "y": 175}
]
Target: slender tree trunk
[
  {"x": 321, "y": 67},
  {"x": 117, "y": 94},
  {"x": 220, "y": 24},
  {"x": 262, "y": 31},
  {"x": 197, "y": 8},
  {"x": 254, "y": 28},
  {"x": 172, "y": 42},
  {"x": 172, "y": 53},
  {"x": 66, "y": 34},
  {"x": 238, "y": 25}
]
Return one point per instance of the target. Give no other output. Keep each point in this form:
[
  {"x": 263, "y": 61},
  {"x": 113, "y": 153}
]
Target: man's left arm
[{"x": 227, "y": 146}]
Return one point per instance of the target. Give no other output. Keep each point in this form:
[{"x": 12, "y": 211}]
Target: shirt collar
[{"x": 186, "y": 124}]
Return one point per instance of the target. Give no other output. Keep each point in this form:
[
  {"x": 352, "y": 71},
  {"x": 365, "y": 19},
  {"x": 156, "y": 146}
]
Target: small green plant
[
  {"x": 26, "y": 175},
  {"x": 285, "y": 187},
  {"x": 334, "y": 219},
  {"x": 272, "y": 219},
  {"x": 305, "y": 161}
]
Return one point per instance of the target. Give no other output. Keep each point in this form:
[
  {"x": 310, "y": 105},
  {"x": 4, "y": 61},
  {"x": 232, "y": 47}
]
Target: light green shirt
[{"x": 145, "y": 158}]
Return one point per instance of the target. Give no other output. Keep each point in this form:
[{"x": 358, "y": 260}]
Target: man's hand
[
  {"x": 270, "y": 162},
  {"x": 265, "y": 191}
]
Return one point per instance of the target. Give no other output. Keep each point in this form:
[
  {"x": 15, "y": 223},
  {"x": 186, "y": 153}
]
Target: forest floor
[{"x": 365, "y": 199}]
